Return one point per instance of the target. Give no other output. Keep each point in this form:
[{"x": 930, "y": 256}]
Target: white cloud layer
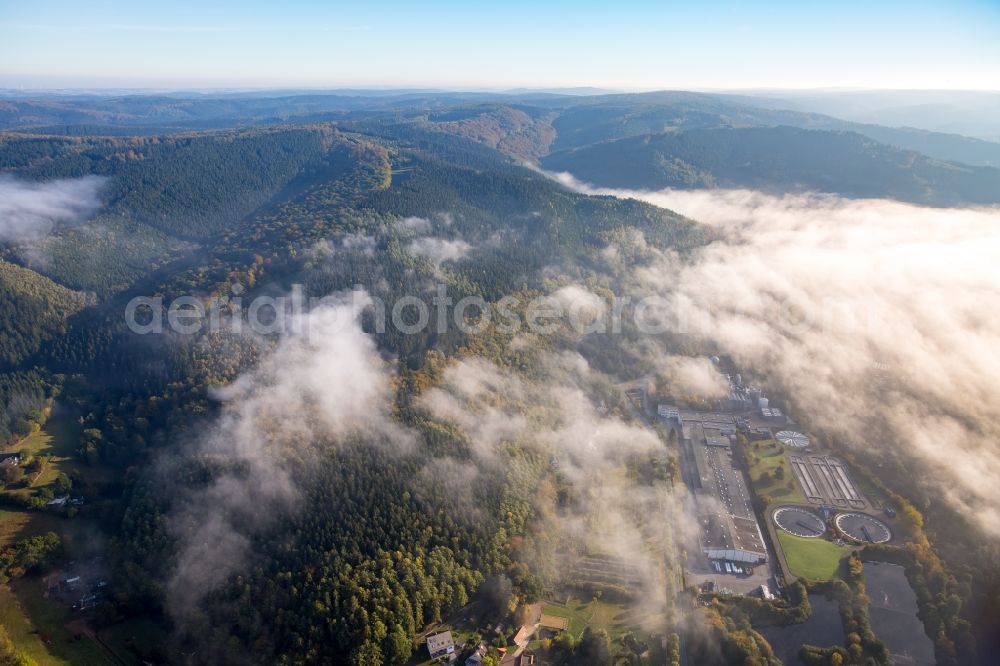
[
  {"x": 438, "y": 250},
  {"x": 876, "y": 316},
  {"x": 555, "y": 413},
  {"x": 318, "y": 387},
  {"x": 29, "y": 210}
]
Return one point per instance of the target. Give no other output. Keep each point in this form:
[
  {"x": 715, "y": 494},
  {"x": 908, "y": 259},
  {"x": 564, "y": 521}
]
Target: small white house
[{"x": 440, "y": 645}]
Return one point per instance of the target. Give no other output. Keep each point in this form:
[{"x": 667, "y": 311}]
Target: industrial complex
[
  {"x": 734, "y": 555},
  {"x": 724, "y": 500}
]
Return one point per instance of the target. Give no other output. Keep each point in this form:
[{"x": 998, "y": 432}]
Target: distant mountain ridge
[
  {"x": 581, "y": 116},
  {"x": 778, "y": 159}
]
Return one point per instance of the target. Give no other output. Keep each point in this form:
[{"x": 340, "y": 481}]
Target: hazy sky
[{"x": 665, "y": 44}]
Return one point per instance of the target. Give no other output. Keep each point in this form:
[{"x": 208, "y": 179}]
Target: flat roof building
[{"x": 668, "y": 412}]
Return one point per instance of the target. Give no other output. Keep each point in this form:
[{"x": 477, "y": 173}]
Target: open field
[
  {"x": 58, "y": 440},
  {"x": 616, "y": 619},
  {"x": 817, "y": 559},
  {"x": 581, "y": 614},
  {"x": 16, "y": 524},
  {"x": 22, "y": 632},
  {"x": 12, "y": 525},
  {"x": 28, "y": 614},
  {"x": 37, "y": 626},
  {"x": 771, "y": 455}
]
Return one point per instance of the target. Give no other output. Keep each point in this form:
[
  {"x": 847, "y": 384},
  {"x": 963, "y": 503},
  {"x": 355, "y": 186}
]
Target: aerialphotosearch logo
[
  {"x": 576, "y": 311},
  {"x": 572, "y": 310}
]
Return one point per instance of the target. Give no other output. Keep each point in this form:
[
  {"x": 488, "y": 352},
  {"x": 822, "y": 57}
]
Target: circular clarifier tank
[
  {"x": 798, "y": 521},
  {"x": 862, "y": 528},
  {"x": 794, "y": 439}
]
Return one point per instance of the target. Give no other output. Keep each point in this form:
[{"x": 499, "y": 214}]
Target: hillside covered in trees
[
  {"x": 33, "y": 310},
  {"x": 779, "y": 159},
  {"x": 366, "y": 209}
]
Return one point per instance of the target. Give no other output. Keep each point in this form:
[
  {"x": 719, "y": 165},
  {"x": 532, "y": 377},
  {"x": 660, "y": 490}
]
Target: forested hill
[
  {"x": 369, "y": 208},
  {"x": 523, "y": 132},
  {"x": 163, "y": 196},
  {"x": 184, "y": 185},
  {"x": 33, "y": 310},
  {"x": 778, "y": 159},
  {"x": 511, "y": 222}
]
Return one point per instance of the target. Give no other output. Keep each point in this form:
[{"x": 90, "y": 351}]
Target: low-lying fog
[{"x": 869, "y": 312}]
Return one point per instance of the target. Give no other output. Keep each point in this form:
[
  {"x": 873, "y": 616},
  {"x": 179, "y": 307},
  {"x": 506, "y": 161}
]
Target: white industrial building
[{"x": 668, "y": 412}]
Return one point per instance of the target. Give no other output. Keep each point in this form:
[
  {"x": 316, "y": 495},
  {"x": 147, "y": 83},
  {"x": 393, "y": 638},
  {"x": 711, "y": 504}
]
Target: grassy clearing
[
  {"x": 22, "y": 632},
  {"x": 770, "y": 455},
  {"x": 817, "y": 559},
  {"x": 12, "y": 524},
  {"x": 37, "y": 626},
  {"x": 616, "y": 619},
  {"x": 58, "y": 440},
  {"x": 16, "y": 525}
]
